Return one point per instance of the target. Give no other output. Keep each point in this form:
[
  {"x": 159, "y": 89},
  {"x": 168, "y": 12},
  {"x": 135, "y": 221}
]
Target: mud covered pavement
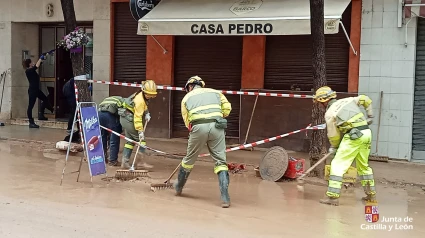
[{"x": 32, "y": 204}]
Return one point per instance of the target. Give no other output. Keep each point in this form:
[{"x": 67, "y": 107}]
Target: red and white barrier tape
[
  {"x": 137, "y": 85},
  {"x": 319, "y": 127}
]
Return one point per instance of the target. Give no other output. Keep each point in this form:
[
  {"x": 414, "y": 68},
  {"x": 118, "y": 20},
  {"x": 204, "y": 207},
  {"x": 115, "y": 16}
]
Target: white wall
[{"x": 387, "y": 65}]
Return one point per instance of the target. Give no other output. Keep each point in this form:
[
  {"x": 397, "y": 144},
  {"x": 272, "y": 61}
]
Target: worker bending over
[
  {"x": 345, "y": 119},
  {"x": 134, "y": 109},
  {"x": 203, "y": 111},
  {"x": 109, "y": 118}
]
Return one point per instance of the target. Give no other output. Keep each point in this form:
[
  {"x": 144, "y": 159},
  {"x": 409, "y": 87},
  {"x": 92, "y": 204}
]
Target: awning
[{"x": 237, "y": 17}]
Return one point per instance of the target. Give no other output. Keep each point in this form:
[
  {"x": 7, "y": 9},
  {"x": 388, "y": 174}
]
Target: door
[
  {"x": 418, "y": 135},
  {"x": 288, "y": 60},
  {"x": 218, "y": 61},
  {"x": 63, "y": 74}
]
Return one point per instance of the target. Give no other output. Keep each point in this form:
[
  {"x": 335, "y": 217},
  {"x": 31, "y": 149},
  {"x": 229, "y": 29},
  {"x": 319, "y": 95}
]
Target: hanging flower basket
[
  {"x": 74, "y": 41},
  {"x": 78, "y": 49}
]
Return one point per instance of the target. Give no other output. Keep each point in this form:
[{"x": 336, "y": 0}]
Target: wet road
[{"x": 32, "y": 204}]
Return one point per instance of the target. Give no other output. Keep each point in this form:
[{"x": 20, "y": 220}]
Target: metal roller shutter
[
  {"x": 418, "y": 135},
  {"x": 129, "y": 48},
  {"x": 218, "y": 61},
  {"x": 288, "y": 60}
]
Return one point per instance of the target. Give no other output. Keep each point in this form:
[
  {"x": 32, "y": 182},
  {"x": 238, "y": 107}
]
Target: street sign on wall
[{"x": 139, "y": 8}]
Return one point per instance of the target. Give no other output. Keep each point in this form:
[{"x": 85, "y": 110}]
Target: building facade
[{"x": 383, "y": 57}]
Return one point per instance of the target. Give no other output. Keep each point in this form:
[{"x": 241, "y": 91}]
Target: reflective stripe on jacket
[
  {"x": 136, "y": 106},
  {"x": 344, "y": 114},
  {"x": 204, "y": 103},
  {"x": 111, "y": 104}
]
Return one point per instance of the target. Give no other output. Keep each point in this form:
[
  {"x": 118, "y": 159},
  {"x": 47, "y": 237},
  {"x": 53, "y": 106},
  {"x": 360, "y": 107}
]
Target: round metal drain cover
[{"x": 274, "y": 163}]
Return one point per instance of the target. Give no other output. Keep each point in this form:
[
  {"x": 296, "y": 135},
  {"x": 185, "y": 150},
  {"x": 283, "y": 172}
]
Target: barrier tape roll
[{"x": 137, "y": 85}]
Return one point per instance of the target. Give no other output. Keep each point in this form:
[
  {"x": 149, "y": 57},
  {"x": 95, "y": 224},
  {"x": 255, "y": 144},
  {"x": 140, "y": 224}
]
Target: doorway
[{"x": 57, "y": 68}]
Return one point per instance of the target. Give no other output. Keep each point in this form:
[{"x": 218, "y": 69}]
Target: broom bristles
[
  {"x": 127, "y": 174},
  {"x": 161, "y": 186}
]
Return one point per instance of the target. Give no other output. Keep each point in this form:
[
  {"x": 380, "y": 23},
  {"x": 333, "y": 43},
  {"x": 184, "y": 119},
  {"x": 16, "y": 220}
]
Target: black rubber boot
[
  {"x": 223, "y": 182},
  {"x": 181, "y": 180},
  {"x": 125, "y": 163},
  {"x": 32, "y": 124}
]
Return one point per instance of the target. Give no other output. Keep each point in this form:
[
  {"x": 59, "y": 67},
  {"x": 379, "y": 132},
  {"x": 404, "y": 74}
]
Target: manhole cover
[{"x": 274, "y": 163}]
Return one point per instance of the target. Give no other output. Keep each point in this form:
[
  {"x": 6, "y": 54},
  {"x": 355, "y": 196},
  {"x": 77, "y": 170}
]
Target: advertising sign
[
  {"x": 93, "y": 141},
  {"x": 139, "y": 8}
]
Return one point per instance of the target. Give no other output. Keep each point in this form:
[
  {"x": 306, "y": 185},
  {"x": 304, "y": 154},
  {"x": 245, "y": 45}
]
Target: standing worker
[
  {"x": 34, "y": 91},
  {"x": 109, "y": 118},
  {"x": 344, "y": 117},
  {"x": 132, "y": 111},
  {"x": 203, "y": 111}
]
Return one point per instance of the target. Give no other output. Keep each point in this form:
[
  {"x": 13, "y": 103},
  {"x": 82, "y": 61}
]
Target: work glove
[
  {"x": 369, "y": 120},
  {"x": 332, "y": 150},
  {"x": 42, "y": 57},
  {"x": 142, "y": 147},
  {"x": 147, "y": 117},
  {"x": 141, "y": 136}
]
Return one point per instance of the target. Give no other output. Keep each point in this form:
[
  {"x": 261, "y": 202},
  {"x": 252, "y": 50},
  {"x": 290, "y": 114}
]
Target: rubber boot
[
  {"x": 223, "y": 182},
  {"x": 181, "y": 180},
  {"x": 370, "y": 198},
  {"x": 125, "y": 163},
  {"x": 330, "y": 201}
]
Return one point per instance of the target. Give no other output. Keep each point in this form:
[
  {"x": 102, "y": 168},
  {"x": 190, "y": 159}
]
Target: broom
[
  {"x": 166, "y": 184},
  {"x": 300, "y": 180},
  {"x": 132, "y": 173}
]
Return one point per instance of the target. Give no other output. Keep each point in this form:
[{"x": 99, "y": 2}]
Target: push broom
[
  {"x": 300, "y": 180},
  {"x": 132, "y": 173}
]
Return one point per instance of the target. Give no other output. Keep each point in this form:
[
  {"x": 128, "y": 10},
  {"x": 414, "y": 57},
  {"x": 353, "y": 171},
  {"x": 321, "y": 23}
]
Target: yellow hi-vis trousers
[
  {"x": 349, "y": 150},
  {"x": 200, "y": 135}
]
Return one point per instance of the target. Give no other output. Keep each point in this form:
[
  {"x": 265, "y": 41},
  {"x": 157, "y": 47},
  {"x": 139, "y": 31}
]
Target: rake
[{"x": 166, "y": 184}]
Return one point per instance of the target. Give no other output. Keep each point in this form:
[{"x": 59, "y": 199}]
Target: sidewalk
[{"x": 393, "y": 172}]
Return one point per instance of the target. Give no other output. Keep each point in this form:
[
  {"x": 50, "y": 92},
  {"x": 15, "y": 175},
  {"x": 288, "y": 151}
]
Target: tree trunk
[
  {"x": 77, "y": 59},
  {"x": 318, "y": 140}
]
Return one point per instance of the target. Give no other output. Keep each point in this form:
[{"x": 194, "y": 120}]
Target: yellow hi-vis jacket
[
  {"x": 137, "y": 106},
  {"x": 344, "y": 114},
  {"x": 204, "y": 103}
]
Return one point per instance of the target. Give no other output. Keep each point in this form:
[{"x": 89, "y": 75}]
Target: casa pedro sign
[{"x": 231, "y": 29}]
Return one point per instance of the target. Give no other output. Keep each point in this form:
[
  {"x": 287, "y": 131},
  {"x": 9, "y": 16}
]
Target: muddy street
[{"x": 32, "y": 204}]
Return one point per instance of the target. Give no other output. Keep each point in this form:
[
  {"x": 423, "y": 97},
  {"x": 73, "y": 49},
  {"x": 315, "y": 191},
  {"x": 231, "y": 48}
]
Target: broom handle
[
  {"x": 138, "y": 147},
  {"x": 379, "y": 121},
  {"x": 250, "y": 120},
  {"x": 173, "y": 173},
  {"x": 315, "y": 165}
]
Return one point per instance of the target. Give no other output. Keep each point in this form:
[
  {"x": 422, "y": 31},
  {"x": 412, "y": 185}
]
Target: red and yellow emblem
[{"x": 371, "y": 213}]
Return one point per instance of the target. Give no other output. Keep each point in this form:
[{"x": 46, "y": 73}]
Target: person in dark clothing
[
  {"x": 34, "y": 91},
  {"x": 69, "y": 94}
]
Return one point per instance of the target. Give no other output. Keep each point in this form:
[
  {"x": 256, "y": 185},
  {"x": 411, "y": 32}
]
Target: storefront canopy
[{"x": 237, "y": 17}]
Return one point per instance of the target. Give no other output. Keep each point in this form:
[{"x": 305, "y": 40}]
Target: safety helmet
[
  {"x": 324, "y": 94},
  {"x": 194, "y": 80},
  {"x": 149, "y": 87}
]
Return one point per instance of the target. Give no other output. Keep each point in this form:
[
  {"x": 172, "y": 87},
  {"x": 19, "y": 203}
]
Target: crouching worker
[
  {"x": 203, "y": 111},
  {"x": 109, "y": 118},
  {"x": 134, "y": 109},
  {"x": 345, "y": 119}
]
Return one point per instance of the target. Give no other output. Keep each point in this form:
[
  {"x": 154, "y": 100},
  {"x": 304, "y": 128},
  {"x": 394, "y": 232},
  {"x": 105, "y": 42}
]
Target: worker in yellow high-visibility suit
[
  {"x": 203, "y": 111},
  {"x": 350, "y": 138},
  {"x": 134, "y": 108}
]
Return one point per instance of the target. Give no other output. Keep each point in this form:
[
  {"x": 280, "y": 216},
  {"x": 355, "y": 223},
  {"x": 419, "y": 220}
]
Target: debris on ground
[{"x": 236, "y": 168}]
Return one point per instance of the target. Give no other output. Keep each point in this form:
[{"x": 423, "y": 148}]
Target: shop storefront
[{"x": 234, "y": 45}]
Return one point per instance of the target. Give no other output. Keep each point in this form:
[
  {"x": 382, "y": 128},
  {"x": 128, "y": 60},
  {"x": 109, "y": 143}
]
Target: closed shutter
[
  {"x": 289, "y": 65},
  {"x": 418, "y": 141},
  {"x": 129, "y": 48},
  {"x": 218, "y": 61}
]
